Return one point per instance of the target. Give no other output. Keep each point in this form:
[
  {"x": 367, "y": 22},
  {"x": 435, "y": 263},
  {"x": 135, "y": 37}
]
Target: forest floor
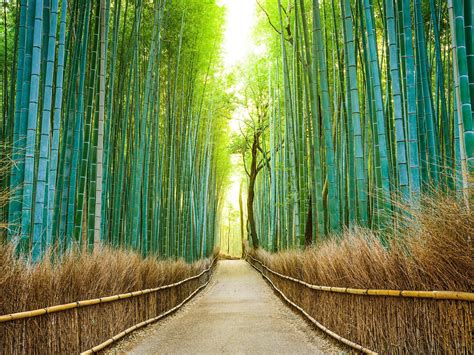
[{"x": 238, "y": 313}]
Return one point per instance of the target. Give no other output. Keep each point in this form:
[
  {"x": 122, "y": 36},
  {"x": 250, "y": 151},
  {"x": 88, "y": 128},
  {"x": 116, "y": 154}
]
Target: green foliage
[
  {"x": 126, "y": 116},
  {"x": 115, "y": 114},
  {"x": 366, "y": 109}
]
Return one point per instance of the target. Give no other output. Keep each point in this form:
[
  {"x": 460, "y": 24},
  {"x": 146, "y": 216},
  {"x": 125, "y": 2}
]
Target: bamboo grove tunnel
[{"x": 329, "y": 143}]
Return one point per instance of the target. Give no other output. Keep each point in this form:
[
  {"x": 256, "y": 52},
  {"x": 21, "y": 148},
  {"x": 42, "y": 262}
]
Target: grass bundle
[
  {"x": 431, "y": 249},
  {"x": 79, "y": 276}
]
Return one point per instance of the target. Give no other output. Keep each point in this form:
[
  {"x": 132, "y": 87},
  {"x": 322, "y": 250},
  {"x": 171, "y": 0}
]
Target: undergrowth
[
  {"x": 430, "y": 249},
  {"x": 82, "y": 275}
]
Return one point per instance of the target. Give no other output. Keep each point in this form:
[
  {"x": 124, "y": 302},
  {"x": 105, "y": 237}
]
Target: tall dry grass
[
  {"x": 79, "y": 276},
  {"x": 5, "y": 166},
  {"x": 431, "y": 249}
]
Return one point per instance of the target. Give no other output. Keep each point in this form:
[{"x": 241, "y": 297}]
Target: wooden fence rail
[
  {"x": 73, "y": 327},
  {"x": 387, "y": 321}
]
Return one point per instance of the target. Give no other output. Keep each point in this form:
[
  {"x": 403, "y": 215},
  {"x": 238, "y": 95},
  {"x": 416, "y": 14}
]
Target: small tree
[{"x": 250, "y": 143}]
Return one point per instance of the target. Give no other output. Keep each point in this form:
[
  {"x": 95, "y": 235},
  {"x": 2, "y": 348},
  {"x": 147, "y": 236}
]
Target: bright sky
[
  {"x": 240, "y": 18},
  {"x": 238, "y": 44}
]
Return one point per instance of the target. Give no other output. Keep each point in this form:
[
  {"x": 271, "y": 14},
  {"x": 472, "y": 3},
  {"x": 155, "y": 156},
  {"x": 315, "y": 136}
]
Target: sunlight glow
[
  {"x": 229, "y": 236},
  {"x": 233, "y": 190},
  {"x": 237, "y": 46},
  {"x": 240, "y": 19}
]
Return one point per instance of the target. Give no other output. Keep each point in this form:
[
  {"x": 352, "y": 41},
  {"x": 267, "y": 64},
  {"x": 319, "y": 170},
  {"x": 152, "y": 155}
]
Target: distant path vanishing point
[{"x": 238, "y": 313}]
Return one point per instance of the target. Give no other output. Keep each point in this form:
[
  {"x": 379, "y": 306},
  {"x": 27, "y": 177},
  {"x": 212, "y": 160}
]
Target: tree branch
[
  {"x": 268, "y": 17},
  {"x": 263, "y": 162},
  {"x": 247, "y": 143},
  {"x": 245, "y": 165}
]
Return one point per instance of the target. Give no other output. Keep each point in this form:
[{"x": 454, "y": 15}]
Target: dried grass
[
  {"x": 79, "y": 276},
  {"x": 431, "y": 249}
]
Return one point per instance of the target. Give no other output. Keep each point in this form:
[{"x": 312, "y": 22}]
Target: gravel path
[{"x": 237, "y": 313}]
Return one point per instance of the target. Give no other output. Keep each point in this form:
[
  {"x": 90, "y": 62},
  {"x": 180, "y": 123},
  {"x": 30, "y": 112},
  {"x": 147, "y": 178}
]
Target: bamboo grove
[
  {"x": 110, "y": 122},
  {"x": 368, "y": 106}
]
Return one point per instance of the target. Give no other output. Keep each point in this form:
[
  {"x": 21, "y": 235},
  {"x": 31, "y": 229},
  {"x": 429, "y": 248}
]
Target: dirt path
[{"x": 237, "y": 313}]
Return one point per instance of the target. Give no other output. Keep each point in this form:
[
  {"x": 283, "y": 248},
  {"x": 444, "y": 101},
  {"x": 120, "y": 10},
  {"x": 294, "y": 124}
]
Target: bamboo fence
[
  {"x": 387, "y": 321},
  {"x": 75, "y": 326}
]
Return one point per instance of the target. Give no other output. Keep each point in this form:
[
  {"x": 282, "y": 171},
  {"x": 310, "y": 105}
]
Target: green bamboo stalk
[
  {"x": 29, "y": 177},
  {"x": 15, "y": 179},
  {"x": 431, "y": 134},
  {"x": 413, "y": 150},
  {"x": 466, "y": 131},
  {"x": 326, "y": 112},
  {"x": 360, "y": 170},
  {"x": 381, "y": 145},
  {"x": 401, "y": 157},
  {"x": 445, "y": 124},
  {"x": 41, "y": 199}
]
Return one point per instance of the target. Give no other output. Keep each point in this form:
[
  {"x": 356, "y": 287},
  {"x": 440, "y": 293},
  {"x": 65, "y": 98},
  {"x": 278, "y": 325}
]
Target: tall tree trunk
[
  {"x": 251, "y": 191},
  {"x": 251, "y": 217}
]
